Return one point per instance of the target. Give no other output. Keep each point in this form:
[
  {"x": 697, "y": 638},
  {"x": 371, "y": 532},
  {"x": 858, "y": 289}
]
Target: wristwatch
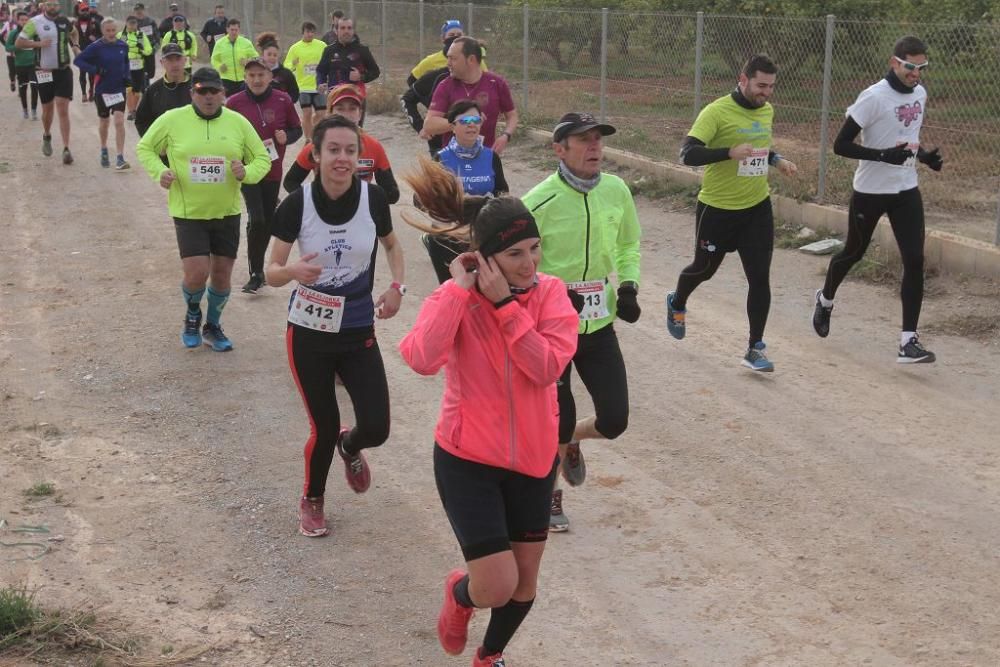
[{"x": 399, "y": 287}]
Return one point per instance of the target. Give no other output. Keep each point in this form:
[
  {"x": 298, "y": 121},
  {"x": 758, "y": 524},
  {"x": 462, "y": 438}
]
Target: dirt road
[{"x": 841, "y": 511}]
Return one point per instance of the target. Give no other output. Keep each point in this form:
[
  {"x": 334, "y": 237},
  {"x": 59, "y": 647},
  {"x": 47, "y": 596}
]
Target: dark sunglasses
[
  {"x": 909, "y": 67},
  {"x": 469, "y": 120}
]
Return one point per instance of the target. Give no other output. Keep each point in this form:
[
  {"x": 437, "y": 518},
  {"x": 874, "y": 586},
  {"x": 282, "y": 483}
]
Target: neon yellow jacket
[
  {"x": 187, "y": 138},
  {"x": 226, "y": 56},
  {"x": 587, "y": 236},
  {"x": 437, "y": 60},
  {"x": 138, "y": 44}
]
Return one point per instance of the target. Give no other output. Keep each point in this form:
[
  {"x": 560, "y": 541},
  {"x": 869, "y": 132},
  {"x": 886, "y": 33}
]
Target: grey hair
[{"x": 107, "y": 21}]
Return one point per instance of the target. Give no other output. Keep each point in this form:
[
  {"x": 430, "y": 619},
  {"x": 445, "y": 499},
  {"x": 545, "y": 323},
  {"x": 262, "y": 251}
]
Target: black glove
[
  {"x": 931, "y": 158},
  {"x": 576, "y": 299},
  {"x": 897, "y": 155},
  {"x": 628, "y": 304}
]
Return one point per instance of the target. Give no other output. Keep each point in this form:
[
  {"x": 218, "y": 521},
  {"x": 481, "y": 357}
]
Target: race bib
[
  {"x": 595, "y": 300},
  {"x": 755, "y": 165},
  {"x": 272, "y": 150},
  {"x": 147, "y": 30},
  {"x": 135, "y": 63},
  {"x": 43, "y": 76},
  {"x": 210, "y": 169},
  {"x": 310, "y": 70},
  {"x": 315, "y": 310},
  {"x": 111, "y": 99}
]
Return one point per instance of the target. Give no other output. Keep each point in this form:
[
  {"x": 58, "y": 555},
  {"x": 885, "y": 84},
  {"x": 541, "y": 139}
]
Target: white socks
[
  {"x": 823, "y": 301},
  {"x": 905, "y": 336}
]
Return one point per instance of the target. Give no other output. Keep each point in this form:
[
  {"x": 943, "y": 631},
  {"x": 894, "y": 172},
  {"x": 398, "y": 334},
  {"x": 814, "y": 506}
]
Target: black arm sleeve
[
  {"x": 379, "y": 207},
  {"x": 408, "y": 102},
  {"x": 144, "y": 113},
  {"x": 500, "y": 186},
  {"x": 694, "y": 153},
  {"x": 372, "y": 71},
  {"x": 295, "y": 177},
  {"x": 844, "y": 145},
  {"x": 293, "y": 134},
  {"x": 387, "y": 182},
  {"x": 288, "y": 218}
]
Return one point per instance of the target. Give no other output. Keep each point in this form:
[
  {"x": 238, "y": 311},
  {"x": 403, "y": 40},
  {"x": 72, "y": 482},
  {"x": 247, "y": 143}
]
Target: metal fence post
[
  {"x": 524, "y": 65},
  {"x": 326, "y": 14},
  {"x": 352, "y": 14},
  {"x": 996, "y": 239},
  {"x": 420, "y": 40},
  {"x": 385, "y": 45},
  {"x": 604, "y": 64},
  {"x": 248, "y": 15},
  {"x": 468, "y": 22},
  {"x": 281, "y": 18},
  {"x": 699, "y": 44},
  {"x": 824, "y": 121},
  {"x": 302, "y": 12}
]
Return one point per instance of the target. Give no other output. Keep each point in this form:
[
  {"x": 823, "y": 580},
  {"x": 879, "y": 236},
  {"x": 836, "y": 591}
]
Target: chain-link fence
[{"x": 649, "y": 74}]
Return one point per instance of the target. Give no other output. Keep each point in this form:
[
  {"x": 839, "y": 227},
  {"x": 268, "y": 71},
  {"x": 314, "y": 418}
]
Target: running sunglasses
[
  {"x": 470, "y": 120},
  {"x": 908, "y": 66}
]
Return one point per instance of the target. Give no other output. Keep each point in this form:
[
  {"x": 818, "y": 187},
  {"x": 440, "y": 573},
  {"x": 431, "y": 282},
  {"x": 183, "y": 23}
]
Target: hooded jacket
[{"x": 499, "y": 406}]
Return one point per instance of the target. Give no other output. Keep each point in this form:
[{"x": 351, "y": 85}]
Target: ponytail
[{"x": 438, "y": 193}]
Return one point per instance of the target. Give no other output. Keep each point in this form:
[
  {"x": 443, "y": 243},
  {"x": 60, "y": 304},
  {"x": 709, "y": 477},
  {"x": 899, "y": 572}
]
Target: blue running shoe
[
  {"x": 216, "y": 338},
  {"x": 675, "y": 318},
  {"x": 191, "y": 336},
  {"x": 105, "y": 158},
  {"x": 756, "y": 360}
]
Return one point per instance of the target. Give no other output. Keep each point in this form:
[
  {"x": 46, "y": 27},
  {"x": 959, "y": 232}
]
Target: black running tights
[
  {"x": 906, "y": 215},
  {"x": 26, "y": 80},
  {"x": 261, "y": 200}
]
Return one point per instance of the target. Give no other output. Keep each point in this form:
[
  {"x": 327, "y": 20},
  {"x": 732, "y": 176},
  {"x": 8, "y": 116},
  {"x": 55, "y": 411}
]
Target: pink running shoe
[
  {"x": 312, "y": 522},
  {"x": 453, "y": 621},
  {"x": 495, "y": 660},
  {"x": 356, "y": 470}
]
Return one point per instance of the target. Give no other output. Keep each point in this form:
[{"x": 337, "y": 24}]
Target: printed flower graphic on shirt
[{"x": 908, "y": 113}]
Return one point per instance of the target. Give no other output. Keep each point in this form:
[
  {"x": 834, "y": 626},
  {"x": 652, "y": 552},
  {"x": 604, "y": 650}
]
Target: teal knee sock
[
  {"x": 193, "y": 299},
  {"x": 216, "y": 302}
]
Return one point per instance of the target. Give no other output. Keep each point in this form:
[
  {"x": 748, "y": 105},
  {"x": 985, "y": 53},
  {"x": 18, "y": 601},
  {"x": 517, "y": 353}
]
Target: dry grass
[{"x": 381, "y": 100}]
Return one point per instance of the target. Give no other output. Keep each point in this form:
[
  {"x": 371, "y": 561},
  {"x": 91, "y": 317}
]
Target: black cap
[
  {"x": 139, "y": 5},
  {"x": 206, "y": 77},
  {"x": 178, "y": 18},
  {"x": 259, "y": 62},
  {"x": 576, "y": 122},
  {"x": 171, "y": 49}
]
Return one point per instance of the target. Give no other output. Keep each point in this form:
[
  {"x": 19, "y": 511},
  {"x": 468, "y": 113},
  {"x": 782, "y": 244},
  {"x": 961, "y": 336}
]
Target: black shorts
[
  {"x": 138, "y": 80},
  {"x": 489, "y": 507},
  {"x": 722, "y": 230},
  {"x": 208, "y": 237},
  {"x": 103, "y": 110},
  {"x": 60, "y": 86}
]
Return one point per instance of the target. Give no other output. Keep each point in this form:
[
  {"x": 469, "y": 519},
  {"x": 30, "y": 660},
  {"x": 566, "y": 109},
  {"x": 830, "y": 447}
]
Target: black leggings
[
  {"x": 750, "y": 232},
  {"x": 314, "y": 358},
  {"x": 26, "y": 80},
  {"x": 906, "y": 215},
  {"x": 443, "y": 250},
  {"x": 11, "y": 67},
  {"x": 84, "y": 78},
  {"x": 599, "y": 364},
  {"x": 261, "y": 199}
]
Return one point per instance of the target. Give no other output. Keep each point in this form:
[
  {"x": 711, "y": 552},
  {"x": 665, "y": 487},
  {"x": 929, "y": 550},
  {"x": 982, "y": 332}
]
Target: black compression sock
[
  {"x": 345, "y": 445},
  {"x": 461, "y": 592},
  {"x": 504, "y": 622}
]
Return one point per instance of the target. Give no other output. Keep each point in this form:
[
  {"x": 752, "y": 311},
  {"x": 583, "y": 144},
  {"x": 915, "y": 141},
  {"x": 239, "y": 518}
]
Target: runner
[
  {"x": 732, "y": 139},
  {"x": 346, "y": 100},
  {"x": 478, "y": 168},
  {"x": 468, "y": 81},
  {"x": 184, "y": 38},
  {"x": 336, "y": 221},
  {"x": 139, "y": 47},
  {"x": 230, "y": 54},
  {"x": 331, "y": 35},
  {"x": 450, "y": 31},
  {"x": 53, "y": 36},
  {"x": 88, "y": 26},
  {"x": 172, "y": 91},
  {"x": 888, "y": 115},
  {"x": 109, "y": 57},
  {"x": 7, "y": 25},
  {"x": 24, "y": 67},
  {"x": 167, "y": 24},
  {"x": 148, "y": 27},
  {"x": 590, "y": 231},
  {"x": 302, "y": 59},
  {"x": 272, "y": 114},
  {"x": 211, "y": 150},
  {"x": 281, "y": 77},
  {"x": 347, "y": 60},
  {"x": 214, "y": 27},
  {"x": 503, "y": 333},
  {"x": 421, "y": 91}
]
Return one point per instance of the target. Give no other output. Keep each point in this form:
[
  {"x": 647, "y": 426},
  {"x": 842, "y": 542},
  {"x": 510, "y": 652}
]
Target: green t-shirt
[{"x": 729, "y": 184}]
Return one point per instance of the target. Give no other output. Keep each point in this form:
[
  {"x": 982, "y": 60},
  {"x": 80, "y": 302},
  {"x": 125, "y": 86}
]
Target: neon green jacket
[
  {"x": 588, "y": 236},
  {"x": 226, "y": 56},
  {"x": 138, "y": 44},
  {"x": 190, "y": 141}
]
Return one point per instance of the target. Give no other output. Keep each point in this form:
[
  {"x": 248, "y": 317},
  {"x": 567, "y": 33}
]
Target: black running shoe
[
  {"x": 914, "y": 353},
  {"x": 255, "y": 283},
  {"x": 821, "y": 317}
]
